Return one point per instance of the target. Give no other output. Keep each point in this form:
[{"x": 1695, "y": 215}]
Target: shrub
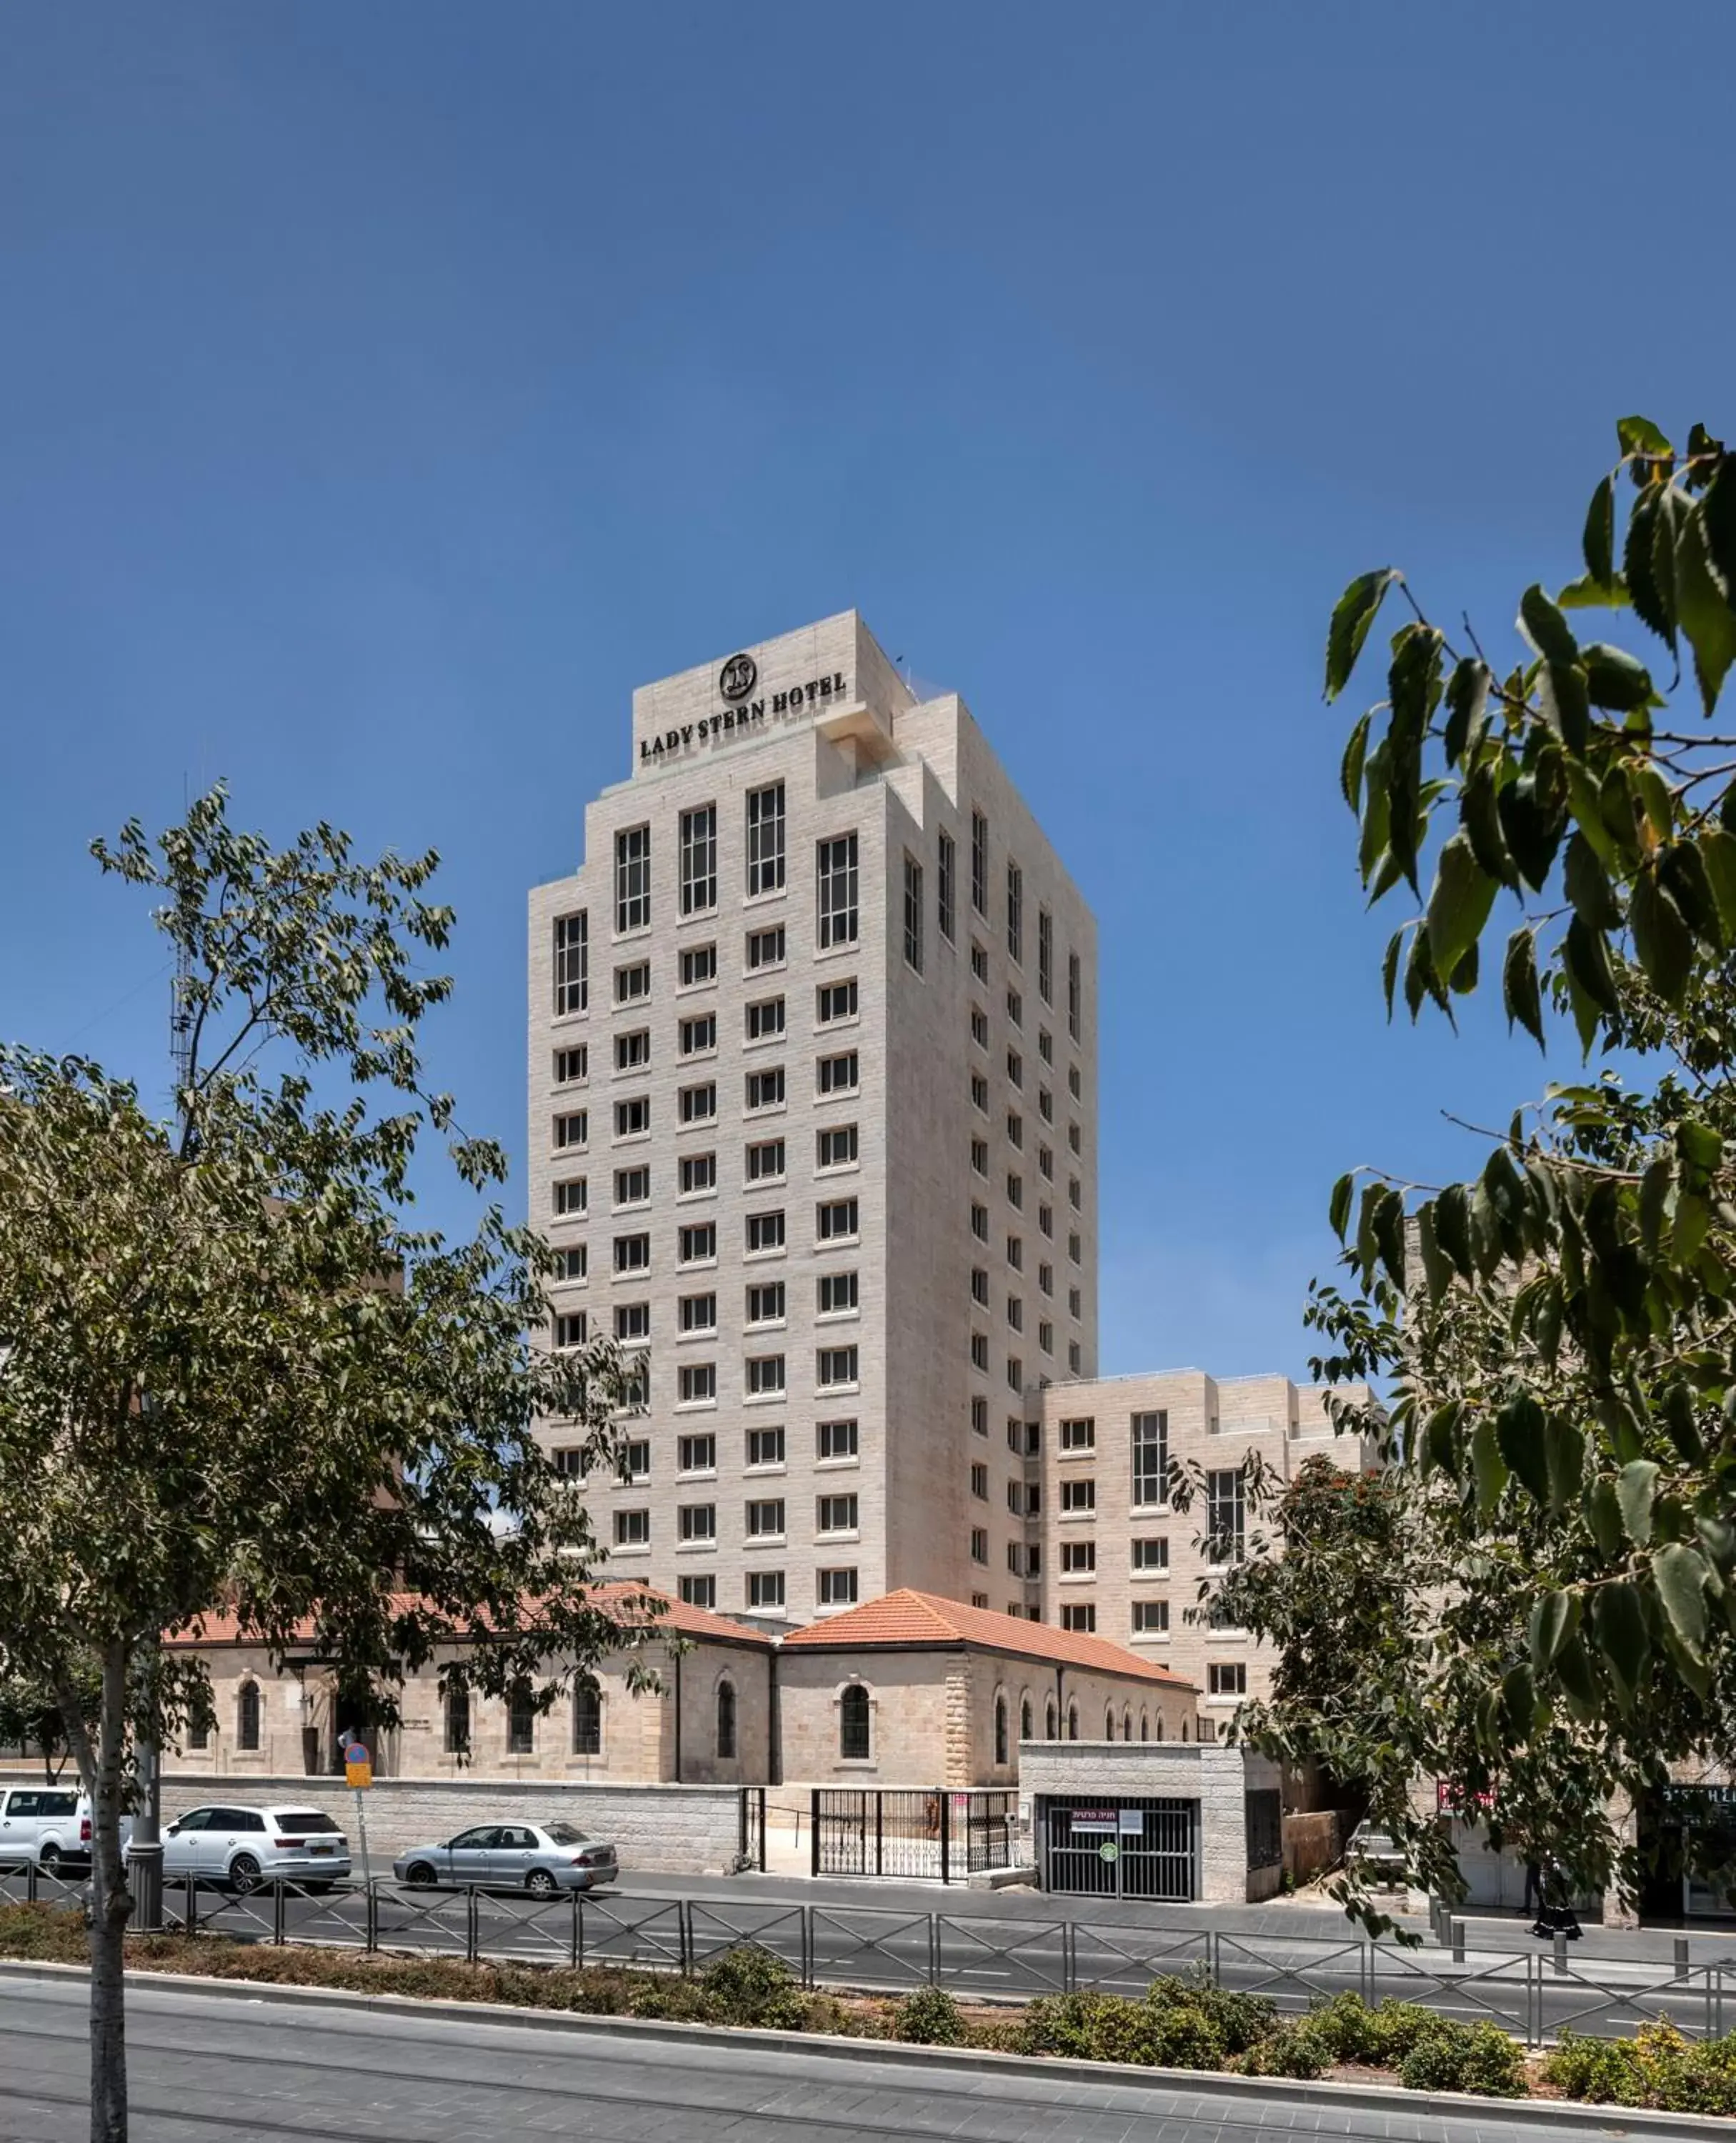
[
  {"x": 1657, "y": 2068},
  {"x": 1292, "y": 2050},
  {"x": 1479, "y": 2058},
  {"x": 929, "y": 2018},
  {"x": 1350, "y": 2028},
  {"x": 1396, "y": 2029},
  {"x": 747, "y": 1985},
  {"x": 1166, "y": 2031},
  {"x": 1606, "y": 2070},
  {"x": 1239, "y": 2021}
]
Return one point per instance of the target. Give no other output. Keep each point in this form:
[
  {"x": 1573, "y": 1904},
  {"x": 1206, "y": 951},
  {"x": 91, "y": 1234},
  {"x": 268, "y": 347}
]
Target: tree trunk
[{"x": 103, "y": 1769}]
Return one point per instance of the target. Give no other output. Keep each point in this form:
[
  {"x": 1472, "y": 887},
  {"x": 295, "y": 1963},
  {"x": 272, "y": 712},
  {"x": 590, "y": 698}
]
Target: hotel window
[
  {"x": 1046, "y": 1163},
  {"x": 699, "y": 964},
  {"x": 838, "y": 1074},
  {"x": 572, "y": 1129},
  {"x": 1015, "y": 1067},
  {"x": 979, "y": 1351},
  {"x": 979, "y": 1416},
  {"x": 699, "y": 1104},
  {"x": 979, "y": 1156},
  {"x": 1073, "y": 1080},
  {"x": 1015, "y": 1128},
  {"x": 1079, "y": 1615},
  {"x": 1046, "y": 1219},
  {"x": 766, "y": 840},
  {"x": 632, "y": 1528},
  {"x": 946, "y": 885},
  {"x": 572, "y": 963},
  {"x": 698, "y": 1246},
  {"x": 572, "y": 1067},
  {"x": 457, "y": 1723},
  {"x": 765, "y": 1161},
  {"x": 979, "y": 1027},
  {"x": 835, "y": 1514},
  {"x": 766, "y": 1019},
  {"x": 633, "y": 879},
  {"x": 1046, "y": 1336},
  {"x": 1150, "y": 1553},
  {"x": 837, "y": 1588},
  {"x": 1016, "y": 1498},
  {"x": 979, "y": 1092},
  {"x": 912, "y": 912},
  {"x": 699, "y": 1313},
  {"x": 1075, "y": 1299},
  {"x": 1078, "y": 1496},
  {"x": 835, "y": 1295},
  {"x": 1046, "y": 956},
  {"x": 1015, "y": 911},
  {"x": 979, "y": 1285},
  {"x": 1226, "y": 1678},
  {"x": 765, "y": 1089},
  {"x": 1075, "y": 1358},
  {"x": 632, "y": 1187},
  {"x": 1078, "y": 1435},
  {"x": 979, "y": 964},
  {"x": 1078, "y": 1558},
  {"x": 836, "y": 1147},
  {"x": 1150, "y": 1436},
  {"x": 1075, "y": 992},
  {"x": 1046, "y": 1104},
  {"x": 979, "y": 863},
  {"x": 835, "y": 1001},
  {"x": 571, "y": 1264},
  {"x": 1046, "y": 1045},
  {"x": 633, "y": 1049},
  {"x": 834, "y": 1368},
  {"x": 835, "y": 1440},
  {"x": 765, "y": 1303},
  {"x": 633, "y": 983},
  {"x": 1046, "y": 1279},
  {"x": 979, "y": 1482},
  {"x": 836, "y": 861},
  {"x": 699, "y": 1037},
  {"x": 1015, "y": 1372},
  {"x": 1014, "y": 1190},
  {"x": 765, "y": 1447},
  {"x": 1073, "y": 1142},
  {"x": 635, "y": 1462},
  {"x": 765, "y": 948},
  {"x": 698, "y": 1522},
  {"x": 1015, "y": 1558},
  {"x": 764, "y": 1232},
  {"x": 837, "y": 1221},
  {"x": 632, "y": 1253},
  {"x": 765, "y": 1520},
  {"x": 764, "y": 1375},
  {"x": 699, "y": 1172},
  {"x": 1015, "y": 1313},
  {"x": 1225, "y": 1516},
  {"x": 765, "y": 1590},
  {"x": 979, "y": 1544},
  {"x": 979, "y": 1223},
  {"x": 698, "y": 1384},
  {"x": 698, "y": 859},
  {"x": 1074, "y": 1244},
  {"x": 699, "y": 1591},
  {"x": 696, "y": 1454},
  {"x": 520, "y": 1725},
  {"x": 632, "y": 1320},
  {"x": 572, "y": 1328},
  {"x": 1016, "y": 1007}
]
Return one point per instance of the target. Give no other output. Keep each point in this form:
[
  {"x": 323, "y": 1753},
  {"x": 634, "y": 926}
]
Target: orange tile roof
[
  {"x": 910, "y": 1618},
  {"x": 613, "y": 1598}
]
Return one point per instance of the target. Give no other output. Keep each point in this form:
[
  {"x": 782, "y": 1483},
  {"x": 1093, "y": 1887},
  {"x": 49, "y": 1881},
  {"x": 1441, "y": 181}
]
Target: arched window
[
  {"x": 1072, "y": 1722},
  {"x": 1000, "y": 1729},
  {"x": 199, "y": 1734},
  {"x": 521, "y": 1724},
  {"x": 1109, "y": 1722},
  {"x": 457, "y": 1722},
  {"x": 852, "y": 1724},
  {"x": 1145, "y": 1726},
  {"x": 1127, "y": 1726},
  {"x": 247, "y": 1716},
  {"x": 726, "y": 1721},
  {"x": 1048, "y": 1720},
  {"x": 1159, "y": 1726},
  {"x": 1025, "y": 1720},
  {"x": 1184, "y": 1730},
  {"x": 588, "y": 1722}
]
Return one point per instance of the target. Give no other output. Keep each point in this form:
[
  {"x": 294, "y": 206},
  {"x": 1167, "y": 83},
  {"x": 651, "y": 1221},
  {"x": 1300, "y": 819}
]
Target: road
[{"x": 203, "y": 2068}]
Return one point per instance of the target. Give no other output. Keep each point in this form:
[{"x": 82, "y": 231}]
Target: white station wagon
[{"x": 243, "y": 1847}]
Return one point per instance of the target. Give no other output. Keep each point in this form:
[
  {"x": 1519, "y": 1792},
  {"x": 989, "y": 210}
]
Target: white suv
[
  {"x": 243, "y": 1847},
  {"x": 48, "y": 1824}
]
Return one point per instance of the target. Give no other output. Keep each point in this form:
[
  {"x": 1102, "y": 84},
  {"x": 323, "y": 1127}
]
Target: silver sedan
[{"x": 541, "y": 1857}]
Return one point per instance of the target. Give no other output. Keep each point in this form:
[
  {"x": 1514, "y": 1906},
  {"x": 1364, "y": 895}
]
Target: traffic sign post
[{"x": 358, "y": 1772}]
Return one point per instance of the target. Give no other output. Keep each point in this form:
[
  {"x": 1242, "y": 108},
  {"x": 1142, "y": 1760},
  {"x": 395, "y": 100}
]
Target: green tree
[
  {"x": 233, "y": 1376},
  {"x": 1559, "y": 1331}
]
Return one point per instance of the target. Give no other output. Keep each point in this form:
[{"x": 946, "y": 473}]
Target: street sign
[
  {"x": 1133, "y": 1822},
  {"x": 1109, "y": 1850},
  {"x": 357, "y": 1770}
]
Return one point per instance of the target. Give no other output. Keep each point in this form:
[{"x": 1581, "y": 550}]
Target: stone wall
[{"x": 1312, "y": 1842}]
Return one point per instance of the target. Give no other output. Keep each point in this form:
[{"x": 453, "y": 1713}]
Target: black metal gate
[
  {"x": 750, "y": 1828},
  {"x": 1118, "y": 1848},
  {"x": 929, "y": 1835}
]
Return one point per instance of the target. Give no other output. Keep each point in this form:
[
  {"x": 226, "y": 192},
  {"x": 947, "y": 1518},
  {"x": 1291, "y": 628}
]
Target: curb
[{"x": 1626, "y": 2122}]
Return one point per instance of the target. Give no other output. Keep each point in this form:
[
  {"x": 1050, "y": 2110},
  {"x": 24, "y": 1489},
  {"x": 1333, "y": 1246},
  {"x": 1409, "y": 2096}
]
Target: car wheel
[
  {"x": 244, "y": 1874},
  {"x": 541, "y": 1883},
  {"x": 50, "y": 1860},
  {"x": 420, "y": 1876}
]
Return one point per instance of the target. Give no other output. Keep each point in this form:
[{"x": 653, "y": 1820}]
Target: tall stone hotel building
[{"x": 813, "y": 1116}]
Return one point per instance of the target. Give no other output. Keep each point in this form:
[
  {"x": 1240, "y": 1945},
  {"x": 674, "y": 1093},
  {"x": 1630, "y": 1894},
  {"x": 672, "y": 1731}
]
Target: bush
[
  {"x": 1239, "y": 2021},
  {"x": 1657, "y": 2068},
  {"x": 1350, "y": 2028},
  {"x": 1479, "y": 2058},
  {"x": 1396, "y": 2029},
  {"x": 1163, "y": 2030},
  {"x": 1292, "y": 2050},
  {"x": 929, "y": 2018},
  {"x": 747, "y": 1985}
]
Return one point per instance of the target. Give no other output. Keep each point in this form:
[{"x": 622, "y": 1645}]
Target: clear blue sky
[{"x": 388, "y": 388}]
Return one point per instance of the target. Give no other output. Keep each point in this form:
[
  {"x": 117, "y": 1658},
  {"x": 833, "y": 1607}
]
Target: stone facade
[
  {"x": 962, "y": 1152},
  {"x": 1120, "y": 1558}
]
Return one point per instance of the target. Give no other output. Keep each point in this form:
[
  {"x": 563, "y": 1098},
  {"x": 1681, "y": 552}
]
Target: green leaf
[
  {"x": 1718, "y": 853},
  {"x": 1546, "y": 628},
  {"x": 1603, "y": 1511},
  {"x": 1480, "y": 816},
  {"x": 1615, "y": 679},
  {"x": 1368, "y": 1241},
  {"x": 1420, "y": 979},
  {"x": 1458, "y": 906},
  {"x": 1389, "y": 1234},
  {"x": 1717, "y": 520},
  {"x": 1654, "y": 605},
  {"x": 1468, "y": 696},
  {"x": 1566, "y": 704},
  {"x": 1684, "y": 1429},
  {"x": 1436, "y": 1267},
  {"x": 1682, "y": 870},
  {"x": 1452, "y": 1227},
  {"x": 1564, "y": 1447},
  {"x": 1680, "y": 1573},
  {"x": 1621, "y": 1637},
  {"x": 1655, "y": 1185},
  {"x": 1439, "y": 1444},
  {"x": 1519, "y": 1429},
  {"x": 1636, "y": 1489},
  {"x": 1350, "y": 774},
  {"x": 1639, "y": 435},
  {"x": 1518, "y": 1702},
  {"x": 1355, "y": 612},
  {"x": 1554, "y": 1620},
  {"x": 1598, "y": 542},
  {"x": 1389, "y": 968},
  {"x": 1573, "y": 1671},
  {"x": 1519, "y": 987},
  {"x": 1531, "y": 827},
  {"x": 1588, "y": 886},
  {"x": 1376, "y": 811},
  {"x": 1487, "y": 1465},
  {"x": 1588, "y": 964},
  {"x": 1704, "y": 614},
  {"x": 1587, "y": 594},
  {"x": 1339, "y": 1209},
  {"x": 1662, "y": 940}
]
